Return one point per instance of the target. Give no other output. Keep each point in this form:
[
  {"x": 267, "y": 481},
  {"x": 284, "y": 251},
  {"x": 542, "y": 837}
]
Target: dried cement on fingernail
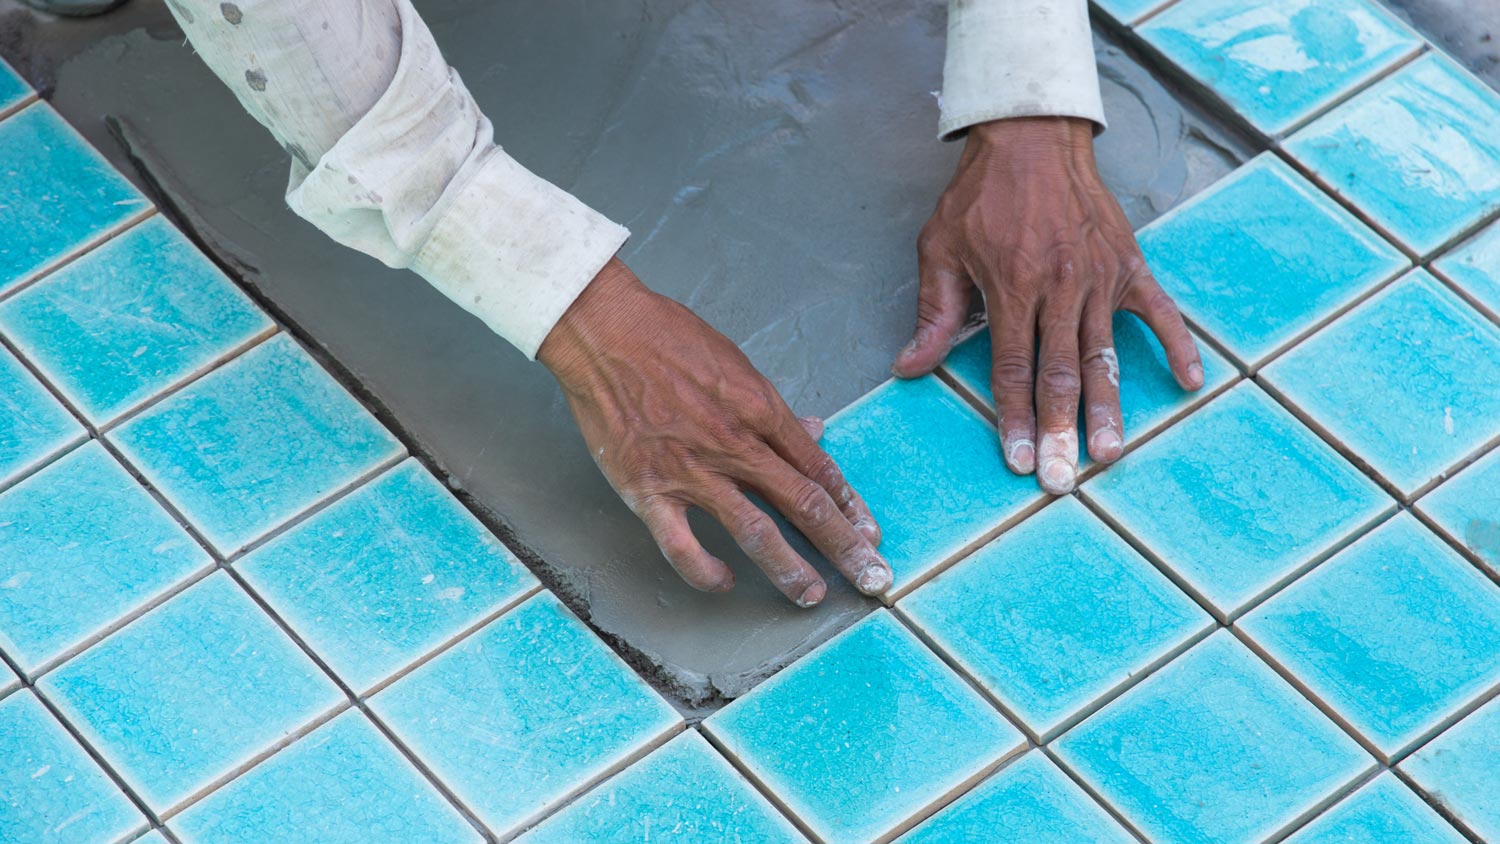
[{"x": 1013, "y": 451}]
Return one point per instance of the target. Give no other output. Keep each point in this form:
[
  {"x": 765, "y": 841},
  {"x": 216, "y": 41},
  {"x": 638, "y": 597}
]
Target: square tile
[
  {"x": 1418, "y": 152},
  {"x": 533, "y": 700},
  {"x": 13, "y": 89},
  {"x": 1215, "y": 747},
  {"x": 82, "y": 545},
  {"x": 1029, "y": 801},
  {"x": 683, "y": 792},
  {"x": 192, "y": 690},
  {"x": 386, "y": 575},
  {"x": 343, "y": 783},
  {"x": 1383, "y": 812},
  {"x": 130, "y": 320},
  {"x": 1054, "y": 614},
  {"x": 1262, "y": 258},
  {"x": 1474, "y": 266},
  {"x": 1279, "y": 62},
  {"x": 1406, "y": 381},
  {"x": 57, "y": 194},
  {"x": 1460, "y": 768},
  {"x": 34, "y": 425},
  {"x": 1238, "y": 498},
  {"x": 254, "y": 443},
  {"x": 51, "y": 792},
  {"x": 1468, "y": 508},
  {"x": 864, "y": 733},
  {"x": 929, "y": 467}
]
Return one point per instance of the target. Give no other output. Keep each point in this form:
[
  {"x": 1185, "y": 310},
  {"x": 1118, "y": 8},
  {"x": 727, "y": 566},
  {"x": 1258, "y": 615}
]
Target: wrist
[
  {"x": 1032, "y": 138},
  {"x": 609, "y": 312}
]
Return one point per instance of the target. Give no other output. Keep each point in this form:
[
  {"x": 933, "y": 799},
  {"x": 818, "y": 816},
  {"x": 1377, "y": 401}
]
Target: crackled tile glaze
[
  {"x": 13, "y": 89},
  {"x": 1262, "y": 257},
  {"x": 51, "y": 792},
  {"x": 81, "y": 546},
  {"x": 129, "y": 320},
  {"x": 9, "y": 682},
  {"x": 1053, "y": 614},
  {"x": 865, "y": 732},
  {"x": 1418, "y": 153},
  {"x": 253, "y": 443},
  {"x": 929, "y": 467},
  {"x": 1278, "y": 62},
  {"x": 683, "y": 792},
  {"x": 533, "y": 700},
  {"x": 1383, "y": 812},
  {"x": 190, "y": 691},
  {"x": 1238, "y": 497},
  {"x": 1406, "y": 380},
  {"x": 34, "y": 425},
  {"x": 1468, "y": 508},
  {"x": 1215, "y": 747},
  {"x": 1460, "y": 769},
  {"x": 1475, "y": 267},
  {"x": 343, "y": 783}
]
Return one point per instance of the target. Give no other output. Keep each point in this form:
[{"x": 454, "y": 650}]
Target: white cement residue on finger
[{"x": 1112, "y": 364}]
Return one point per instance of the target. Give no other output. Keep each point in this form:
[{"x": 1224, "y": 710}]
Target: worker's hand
[
  {"x": 677, "y": 417},
  {"x": 1028, "y": 222}
]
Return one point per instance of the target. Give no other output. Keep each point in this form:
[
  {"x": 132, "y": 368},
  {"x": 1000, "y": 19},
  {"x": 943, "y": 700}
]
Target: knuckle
[
  {"x": 1059, "y": 379},
  {"x": 1011, "y": 370},
  {"x": 811, "y": 505},
  {"x": 1133, "y": 265}
]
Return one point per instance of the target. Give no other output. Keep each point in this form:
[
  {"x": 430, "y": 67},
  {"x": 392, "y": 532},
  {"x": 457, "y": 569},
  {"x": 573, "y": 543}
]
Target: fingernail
[
  {"x": 1195, "y": 373},
  {"x": 1057, "y": 476},
  {"x": 812, "y": 595},
  {"x": 874, "y": 579},
  {"x": 1107, "y": 444},
  {"x": 868, "y": 528},
  {"x": 1021, "y": 455}
]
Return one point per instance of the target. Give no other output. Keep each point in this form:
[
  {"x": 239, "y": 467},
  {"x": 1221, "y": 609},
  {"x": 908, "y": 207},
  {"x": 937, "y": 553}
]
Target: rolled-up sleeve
[
  {"x": 1018, "y": 58},
  {"x": 391, "y": 155}
]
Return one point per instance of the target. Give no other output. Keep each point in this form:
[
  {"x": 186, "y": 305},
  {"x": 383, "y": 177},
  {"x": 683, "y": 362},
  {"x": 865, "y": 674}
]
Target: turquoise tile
[
  {"x": 1237, "y": 498},
  {"x": 1278, "y": 62},
  {"x": 254, "y": 443},
  {"x": 13, "y": 89},
  {"x": 1129, "y": 11},
  {"x": 1475, "y": 267},
  {"x": 1149, "y": 395},
  {"x": 929, "y": 467},
  {"x": 1396, "y": 633},
  {"x": 1029, "y": 802},
  {"x": 152, "y": 837},
  {"x": 129, "y": 320},
  {"x": 1406, "y": 381},
  {"x": 1215, "y": 747},
  {"x": 50, "y": 790},
  {"x": 343, "y": 783},
  {"x": 1053, "y": 614},
  {"x": 82, "y": 545},
  {"x": 385, "y": 575},
  {"x": 57, "y": 194},
  {"x": 9, "y": 682},
  {"x": 1383, "y": 812},
  {"x": 1262, "y": 257},
  {"x": 535, "y": 701},
  {"x": 1418, "y": 152},
  {"x": 864, "y": 733},
  {"x": 1468, "y": 508},
  {"x": 684, "y": 792},
  {"x": 1460, "y": 768},
  {"x": 34, "y": 426},
  {"x": 190, "y": 691}
]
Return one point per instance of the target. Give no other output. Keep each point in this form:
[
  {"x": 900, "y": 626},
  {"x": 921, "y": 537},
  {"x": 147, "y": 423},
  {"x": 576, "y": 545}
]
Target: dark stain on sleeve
[
  {"x": 231, "y": 13},
  {"x": 256, "y": 79}
]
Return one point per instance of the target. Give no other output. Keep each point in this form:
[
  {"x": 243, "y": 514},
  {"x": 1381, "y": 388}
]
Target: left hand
[{"x": 1028, "y": 221}]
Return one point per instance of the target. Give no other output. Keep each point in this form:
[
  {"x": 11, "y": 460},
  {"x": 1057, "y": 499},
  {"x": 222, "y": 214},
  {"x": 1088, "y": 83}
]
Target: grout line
[
  {"x": 952, "y": 795},
  {"x": 1460, "y": 291},
  {"x": 1437, "y": 805},
  {"x": 1151, "y": 557},
  {"x": 1353, "y": 458},
  {"x": 84, "y": 247},
  {"x": 1455, "y": 543},
  {"x": 952, "y": 558},
  {"x": 756, "y": 782},
  {"x": 422, "y": 768},
  {"x": 1317, "y": 808},
  {"x": 31, "y": 96},
  {"x": 1370, "y": 80},
  {"x": 1359, "y": 299},
  {"x": 1088, "y": 788}
]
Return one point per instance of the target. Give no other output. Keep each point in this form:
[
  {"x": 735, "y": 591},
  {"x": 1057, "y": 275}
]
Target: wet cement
[{"x": 774, "y": 160}]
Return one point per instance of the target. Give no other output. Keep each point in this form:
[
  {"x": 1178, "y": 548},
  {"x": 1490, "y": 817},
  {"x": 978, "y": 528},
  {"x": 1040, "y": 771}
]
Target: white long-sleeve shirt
[{"x": 391, "y": 155}]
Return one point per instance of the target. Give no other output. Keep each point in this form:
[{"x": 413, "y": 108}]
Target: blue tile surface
[
  {"x": 929, "y": 467},
  {"x": 57, "y": 194},
  {"x": 683, "y": 792},
  {"x": 343, "y": 783},
  {"x": 254, "y": 443},
  {"x": 534, "y": 701},
  {"x": 81, "y": 546},
  {"x": 1278, "y": 62},
  {"x": 385, "y": 575},
  {"x": 1460, "y": 768},
  {"x": 1468, "y": 508},
  {"x": 1213, "y": 748},
  {"x": 13, "y": 89},
  {"x": 863, "y": 733},
  {"x": 1475, "y": 267},
  {"x": 51, "y": 792},
  {"x": 1129, "y": 11},
  {"x": 1238, "y": 497},
  {"x": 34, "y": 426},
  {"x": 1395, "y": 633},
  {"x": 1419, "y": 152},
  {"x": 190, "y": 691},
  {"x": 153, "y": 837},
  {"x": 1406, "y": 380},
  {"x": 9, "y": 682},
  {"x": 129, "y": 320},
  {"x": 1053, "y": 614},
  {"x": 1262, "y": 257},
  {"x": 1030, "y": 801},
  {"x": 1383, "y": 812}
]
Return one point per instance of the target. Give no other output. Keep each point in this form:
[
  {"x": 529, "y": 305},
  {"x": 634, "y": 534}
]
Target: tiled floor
[{"x": 232, "y": 609}]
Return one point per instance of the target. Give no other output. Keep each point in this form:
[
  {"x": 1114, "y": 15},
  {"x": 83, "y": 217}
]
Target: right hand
[{"x": 677, "y": 417}]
